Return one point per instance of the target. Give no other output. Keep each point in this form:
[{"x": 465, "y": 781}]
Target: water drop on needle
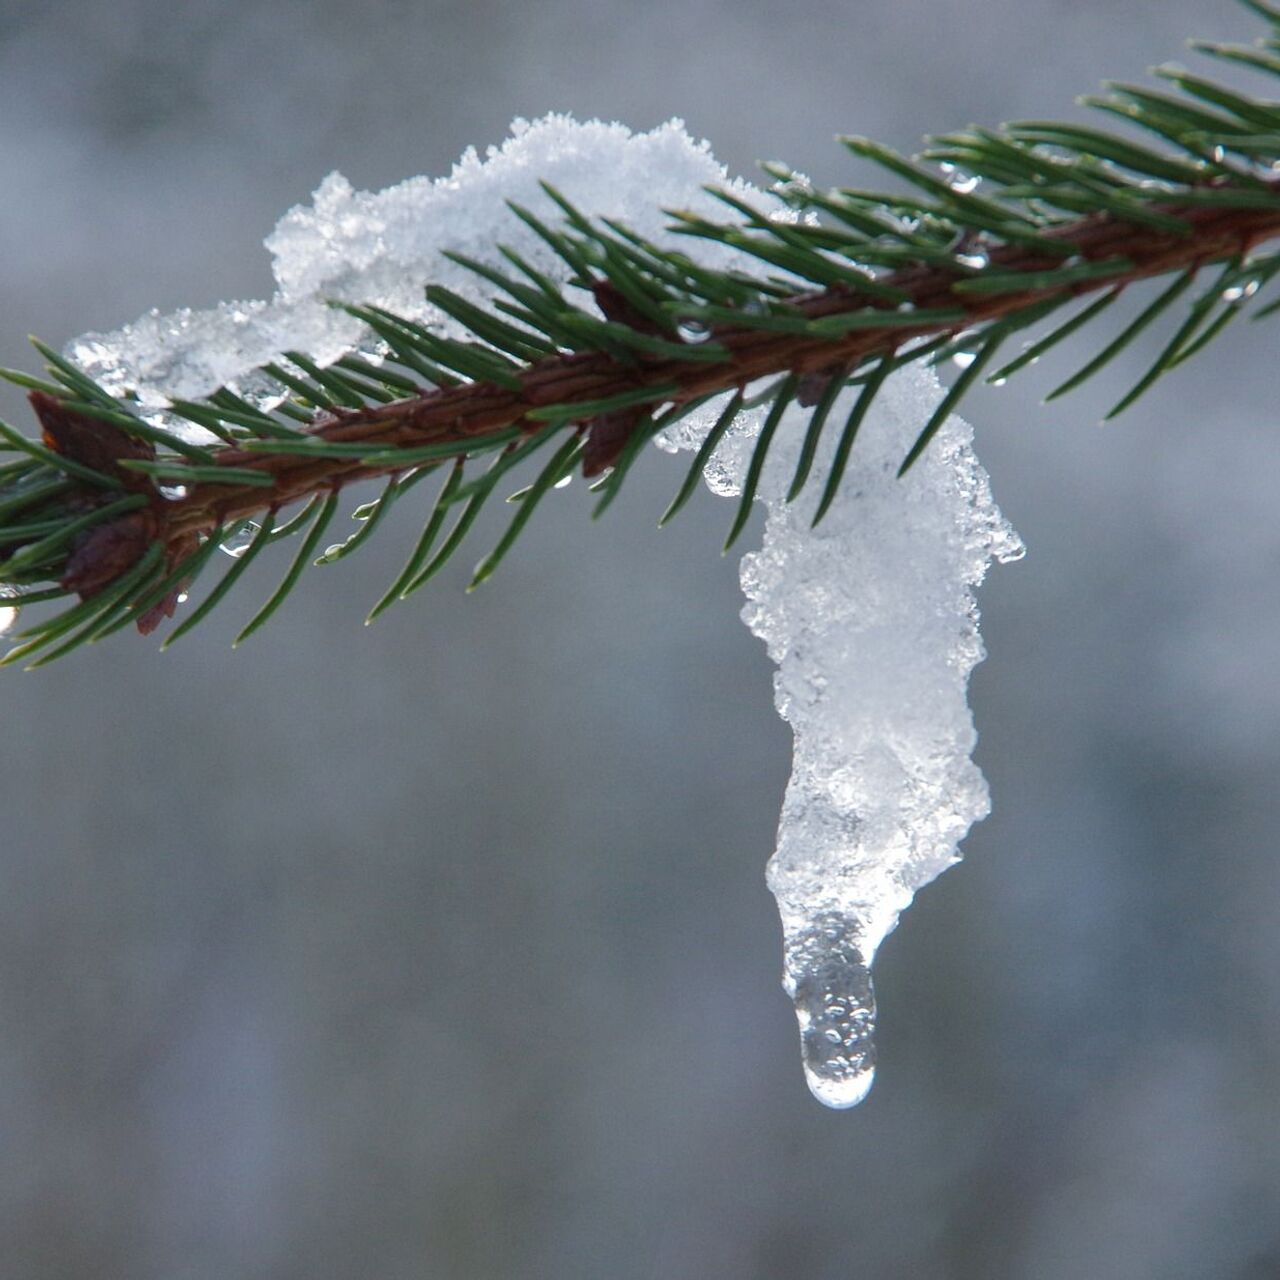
[
  {"x": 236, "y": 545},
  {"x": 1237, "y": 292},
  {"x": 830, "y": 986},
  {"x": 967, "y": 352},
  {"x": 8, "y": 616},
  {"x": 691, "y": 330},
  {"x": 958, "y": 180}
]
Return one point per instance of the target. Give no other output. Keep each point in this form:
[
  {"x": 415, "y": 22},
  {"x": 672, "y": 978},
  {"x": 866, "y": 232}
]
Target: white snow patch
[{"x": 382, "y": 247}]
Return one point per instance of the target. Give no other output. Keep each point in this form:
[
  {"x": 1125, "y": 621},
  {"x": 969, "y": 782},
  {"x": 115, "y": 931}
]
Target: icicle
[{"x": 872, "y": 622}]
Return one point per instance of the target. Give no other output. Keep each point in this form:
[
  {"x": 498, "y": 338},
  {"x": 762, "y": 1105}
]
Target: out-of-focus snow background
[{"x": 442, "y": 948}]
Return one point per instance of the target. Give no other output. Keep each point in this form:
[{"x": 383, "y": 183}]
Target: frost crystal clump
[
  {"x": 382, "y": 247},
  {"x": 870, "y": 618},
  {"x": 872, "y": 622}
]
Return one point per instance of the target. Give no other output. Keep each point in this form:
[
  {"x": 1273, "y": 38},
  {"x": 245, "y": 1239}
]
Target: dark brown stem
[{"x": 461, "y": 413}]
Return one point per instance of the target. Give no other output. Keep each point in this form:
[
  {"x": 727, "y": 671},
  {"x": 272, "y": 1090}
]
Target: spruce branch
[{"x": 997, "y": 230}]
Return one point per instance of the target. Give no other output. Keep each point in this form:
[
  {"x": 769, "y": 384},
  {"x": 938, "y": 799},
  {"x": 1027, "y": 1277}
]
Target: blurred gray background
[{"x": 442, "y": 948}]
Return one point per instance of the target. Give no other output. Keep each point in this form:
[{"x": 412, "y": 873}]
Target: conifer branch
[
  {"x": 576, "y": 386},
  {"x": 120, "y": 512}
]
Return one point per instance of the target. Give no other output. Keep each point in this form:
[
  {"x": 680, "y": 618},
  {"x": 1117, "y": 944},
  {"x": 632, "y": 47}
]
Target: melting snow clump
[
  {"x": 872, "y": 621},
  {"x": 382, "y": 247},
  {"x": 870, "y": 617}
]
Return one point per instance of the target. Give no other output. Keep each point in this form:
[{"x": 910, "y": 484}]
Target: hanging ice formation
[
  {"x": 872, "y": 621},
  {"x": 870, "y": 618}
]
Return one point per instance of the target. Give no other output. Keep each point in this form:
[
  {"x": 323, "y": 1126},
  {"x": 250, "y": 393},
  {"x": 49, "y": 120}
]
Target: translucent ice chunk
[
  {"x": 829, "y": 982},
  {"x": 872, "y": 622}
]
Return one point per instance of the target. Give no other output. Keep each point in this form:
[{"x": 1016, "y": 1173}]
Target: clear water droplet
[
  {"x": 1237, "y": 292},
  {"x": 173, "y": 492},
  {"x": 692, "y": 330},
  {"x": 563, "y": 482},
  {"x": 977, "y": 259},
  {"x": 239, "y": 542},
  {"x": 830, "y": 985},
  {"x": 183, "y": 597},
  {"x": 967, "y": 352},
  {"x": 958, "y": 179},
  {"x": 1218, "y": 154},
  {"x": 8, "y": 616},
  {"x": 999, "y": 382}
]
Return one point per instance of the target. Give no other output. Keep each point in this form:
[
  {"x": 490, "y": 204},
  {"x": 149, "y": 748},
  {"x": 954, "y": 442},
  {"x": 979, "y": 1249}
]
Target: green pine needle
[
  {"x": 426, "y": 540},
  {"x": 987, "y": 232},
  {"x": 812, "y": 436},
  {"x": 300, "y": 562},
  {"x": 219, "y": 593},
  {"x": 755, "y": 469},
  {"x": 1144, "y": 318},
  {"x": 1037, "y": 349},
  {"x": 561, "y": 464},
  {"x": 840, "y": 459},
  {"x": 950, "y": 402},
  {"x": 703, "y": 456}
]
